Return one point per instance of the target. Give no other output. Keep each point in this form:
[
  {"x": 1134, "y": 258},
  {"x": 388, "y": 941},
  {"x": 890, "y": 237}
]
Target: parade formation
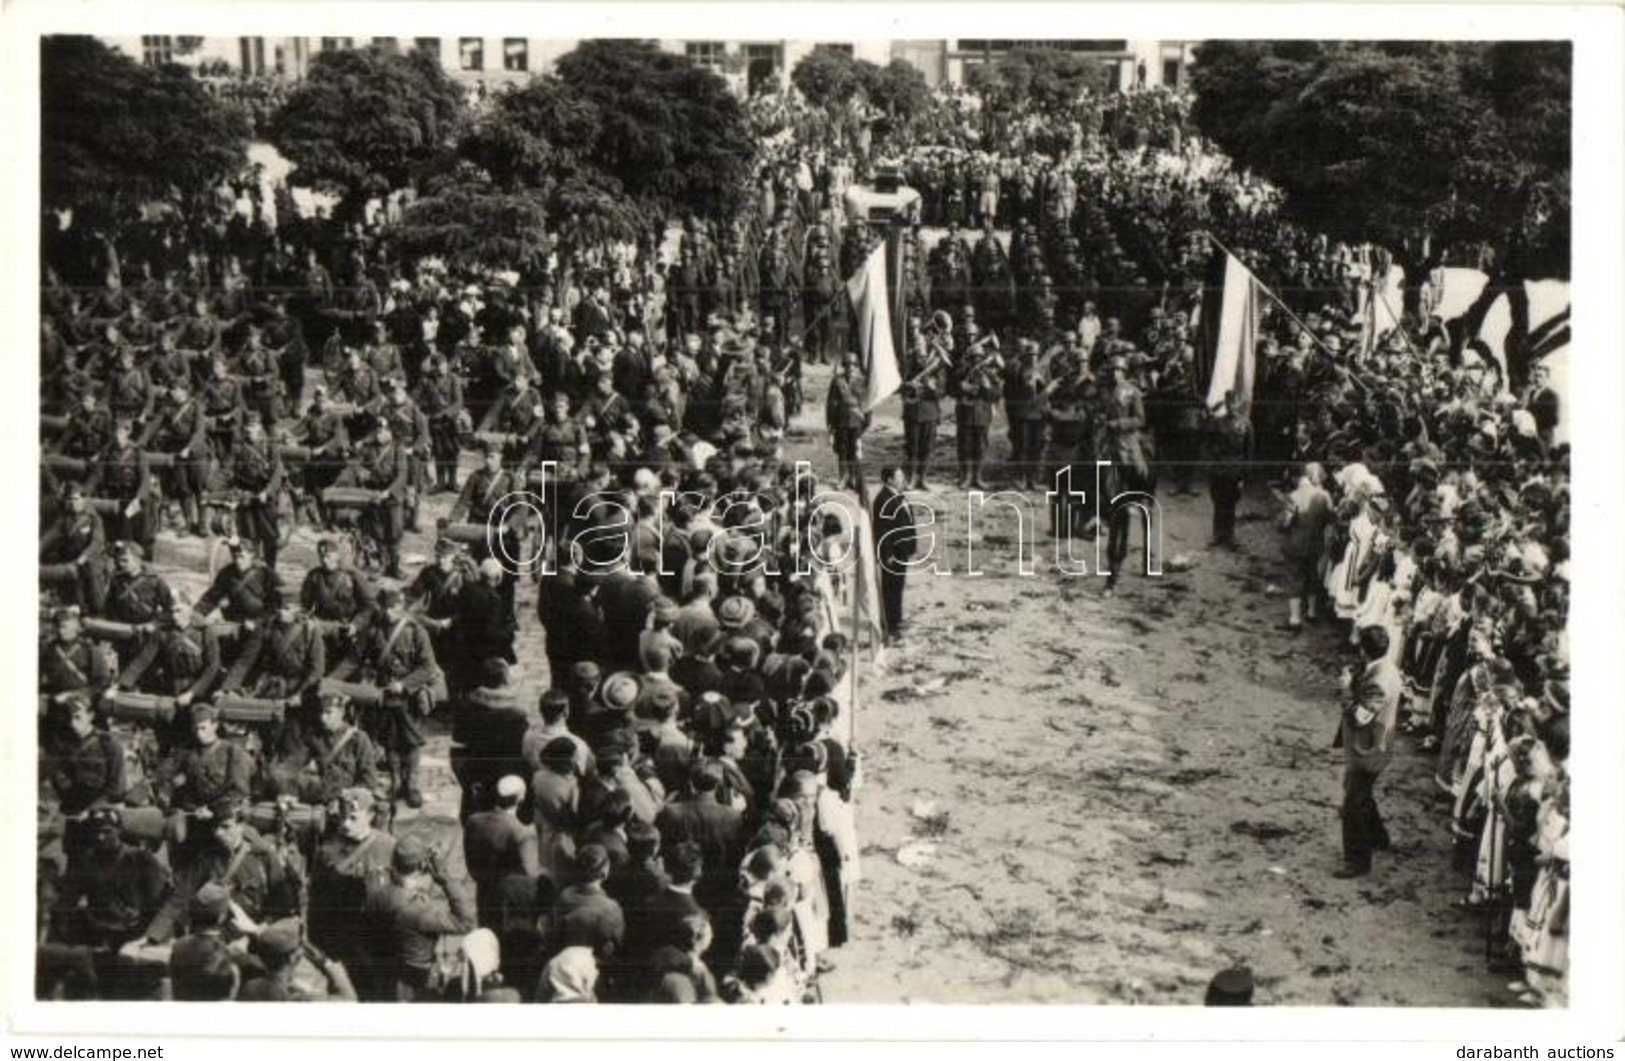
[{"x": 280, "y": 555}]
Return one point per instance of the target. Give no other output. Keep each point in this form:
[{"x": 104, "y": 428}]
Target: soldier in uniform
[
  {"x": 322, "y": 431},
  {"x": 223, "y": 407},
  {"x": 357, "y": 383},
  {"x": 562, "y": 439},
  {"x": 181, "y": 659},
  {"x": 434, "y": 593},
  {"x": 397, "y": 656},
  {"x": 1069, "y": 400},
  {"x": 974, "y": 389},
  {"x": 180, "y": 431},
  {"x": 284, "y": 337},
  {"x": 382, "y": 464},
  {"x": 846, "y": 419},
  {"x": 210, "y": 769},
  {"x": 258, "y": 878},
  {"x": 255, "y": 472},
  {"x": 130, "y": 393},
  {"x": 319, "y": 763},
  {"x": 89, "y": 427},
  {"x": 1229, "y": 449},
  {"x": 480, "y": 503},
  {"x": 1024, "y": 385},
  {"x": 337, "y": 596},
  {"x": 77, "y": 547},
  {"x": 135, "y": 594},
  {"x": 922, "y": 397},
  {"x": 352, "y": 862},
  {"x": 245, "y": 590},
  {"x": 69, "y": 665},
  {"x": 411, "y": 430},
  {"x": 283, "y": 659},
  {"x": 122, "y": 474},
  {"x": 1119, "y": 441},
  {"x": 84, "y": 764},
  {"x": 439, "y": 397},
  {"x": 262, "y": 378},
  {"x": 514, "y": 414}
]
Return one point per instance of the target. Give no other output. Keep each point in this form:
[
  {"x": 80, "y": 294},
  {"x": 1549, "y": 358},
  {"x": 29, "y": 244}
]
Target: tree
[
  {"x": 831, "y": 79},
  {"x": 470, "y": 224},
  {"x": 1418, "y": 146},
  {"x": 1046, "y": 78},
  {"x": 365, "y": 124},
  {"x": 115, "y": 134},
  {"x": 669, "y": 131}
]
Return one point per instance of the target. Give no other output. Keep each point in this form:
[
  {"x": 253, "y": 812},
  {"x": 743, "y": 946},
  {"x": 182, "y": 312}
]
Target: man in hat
[
  {"x": 121, "y": 473},
  {"x": 435, "y": 590},
  {"x": 487, "y": 501},
  {"x": 1229, "y": 452},
  {"x": 352, "y": 863},
  {"x": 83, "y": 763},
  {"x": 236, "y": 861},
  {"x": 321, "y": 430},
  {"x": 383, "y": 464},
  {"x": 411, "y": 430},
  {"x": 439, "y": 396},
  {"x": 318, "y": 764},
  {"x": 847, "y": 420},
  {"x": 68, "y": 663},
  {"x": 283, "y": 659},
  {"x": 181, "y": 659},
  {"x": 180, "y": 430},
  {"x": 255, "y": 473},
  {"x": 1366, "y": 734},
  {"x": 337, "y": 596},
  {"x": 718, "y": 829},
  {"x": 420, "y": 903},
  {"x": 923, "y": 389},
  {"x": 287, "y": 964},
  {"x": 245, "y": 590},
  {"x": 396, "y": 655},
  {"x": 497, "y": 847},
  {"x": 209, "y": 769},
  {"x": 135, "y": 594},
  {"x": 111, "y": 889}
]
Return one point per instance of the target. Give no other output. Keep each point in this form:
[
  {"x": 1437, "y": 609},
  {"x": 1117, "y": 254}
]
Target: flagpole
[{"x": 1262, "y": 286}]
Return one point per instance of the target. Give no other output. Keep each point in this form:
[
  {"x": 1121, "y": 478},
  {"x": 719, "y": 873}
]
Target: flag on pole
[
  {"x": 867, "y": 289},
  {"x": 1231, "y": 310}
]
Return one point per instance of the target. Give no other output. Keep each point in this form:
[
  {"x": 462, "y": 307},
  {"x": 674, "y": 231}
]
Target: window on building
[
  {"x": 1055, "y": 45},
  {"x": 252, "y": 50},
  {"x": 337, "y": 44},
  {"x": 386, "y": 45},
  {"x": 157, "y": 51},
  {"x": 515, "y": 54},
  {"x": 706, "y": 53},
  {"x": 834, "y": 49},
  {"x": 471, "y": 53},
  {"x": 1170, "y": 72},
  {"x": 429, "y": 46}
]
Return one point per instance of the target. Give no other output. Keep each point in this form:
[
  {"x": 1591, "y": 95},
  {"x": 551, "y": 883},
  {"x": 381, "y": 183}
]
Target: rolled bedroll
[
  {"x": 142, "y": 708},
  {"x": 251, "y": 710}
]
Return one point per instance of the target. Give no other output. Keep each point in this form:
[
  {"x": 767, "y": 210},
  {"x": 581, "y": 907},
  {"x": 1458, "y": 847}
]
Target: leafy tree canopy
[
  {"x": 1408, "y": 144},
  {"x": 832, "y": 79},
  {"x": 1047, "y": 78},
  {"x": 366, "y": 123},
  {"x": 114, "y": 133}
]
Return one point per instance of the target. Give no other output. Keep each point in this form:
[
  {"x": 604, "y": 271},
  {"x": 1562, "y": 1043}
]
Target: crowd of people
[{"x": 223, "y": 779}]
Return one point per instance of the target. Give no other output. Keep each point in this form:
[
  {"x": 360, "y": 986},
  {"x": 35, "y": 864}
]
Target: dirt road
[{"x": 1086, "y": 800}]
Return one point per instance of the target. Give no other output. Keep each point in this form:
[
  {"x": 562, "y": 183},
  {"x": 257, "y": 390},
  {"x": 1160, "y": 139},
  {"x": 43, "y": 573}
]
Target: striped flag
[
  {"x": 1230, "y": 318},
  {"x": 867, "y": 289}
]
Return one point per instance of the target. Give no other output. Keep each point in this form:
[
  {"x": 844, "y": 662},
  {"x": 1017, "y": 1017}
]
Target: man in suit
[
  {"x": 496, "y": 846},
  {"x": 1366, "y": 734},
  {"x": 895, "y": 544}
]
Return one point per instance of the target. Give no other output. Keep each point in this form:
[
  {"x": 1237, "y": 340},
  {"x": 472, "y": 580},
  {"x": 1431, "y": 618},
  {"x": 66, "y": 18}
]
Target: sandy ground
[{"x": 1081, "y": 800}]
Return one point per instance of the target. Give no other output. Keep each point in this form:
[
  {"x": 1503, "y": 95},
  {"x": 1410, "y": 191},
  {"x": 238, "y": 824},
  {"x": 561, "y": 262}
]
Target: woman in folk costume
[
  {"x": 805, "y": 870},
  {"x": 1344, "y": 581},
  {"x": 1544, "y": 930}
]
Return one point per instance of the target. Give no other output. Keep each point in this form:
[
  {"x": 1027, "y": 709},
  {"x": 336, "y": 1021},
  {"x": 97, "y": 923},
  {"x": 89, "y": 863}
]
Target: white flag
[{"x": 867, "y": 289}]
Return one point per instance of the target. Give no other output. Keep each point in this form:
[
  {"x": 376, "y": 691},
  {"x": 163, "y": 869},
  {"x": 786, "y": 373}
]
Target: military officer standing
[
  {"x": 922, "y": 399},
  {"x": 338, "y": 597},
  {"x": 255, "y": 472},
  {"x": 397, "y": 656},
  {"x": 847, "y": 420},
  {"x": 180, "y": 430}
]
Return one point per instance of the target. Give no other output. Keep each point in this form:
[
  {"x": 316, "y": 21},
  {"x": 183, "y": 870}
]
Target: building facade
[{"x": 748, "y": 65}]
